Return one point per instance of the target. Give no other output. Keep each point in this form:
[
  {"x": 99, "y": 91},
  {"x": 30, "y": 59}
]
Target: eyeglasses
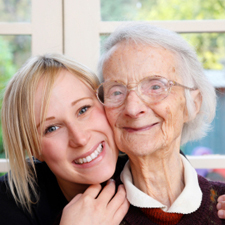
[{"x": 151, "y": 89}]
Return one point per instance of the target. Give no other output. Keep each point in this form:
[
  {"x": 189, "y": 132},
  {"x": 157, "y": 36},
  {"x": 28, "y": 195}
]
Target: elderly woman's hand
[
  {"x": 221, "y": 207},
  {"x": 92, "y": 208}
]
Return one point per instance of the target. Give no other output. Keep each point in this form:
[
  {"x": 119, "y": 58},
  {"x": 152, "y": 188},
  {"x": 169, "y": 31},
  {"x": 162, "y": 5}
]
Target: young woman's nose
[
  {"x": 133, "y": 106},
  {"x": 78, "y": 136}
]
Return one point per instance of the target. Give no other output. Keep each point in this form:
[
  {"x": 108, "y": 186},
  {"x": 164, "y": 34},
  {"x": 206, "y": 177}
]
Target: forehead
[
  {"x": 67, "y": 87},
  {"x": 131, "y": 62},
  {"x": 66, "y": 82}
]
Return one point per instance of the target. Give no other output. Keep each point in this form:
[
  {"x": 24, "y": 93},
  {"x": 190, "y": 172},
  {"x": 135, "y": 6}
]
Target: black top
[
  {"x": 48, "y": 209},
  {"x": 51, "y": 199}
]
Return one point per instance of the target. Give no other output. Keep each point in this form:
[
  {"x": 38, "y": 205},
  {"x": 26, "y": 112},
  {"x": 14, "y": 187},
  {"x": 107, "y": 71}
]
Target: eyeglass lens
[{"x": 150, "y": 90}]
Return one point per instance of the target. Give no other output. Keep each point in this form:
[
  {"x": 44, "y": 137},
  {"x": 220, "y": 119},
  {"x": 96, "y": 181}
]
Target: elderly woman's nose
[
  {"x": 78, "y": 136},
  {"x": 134, "y": 106}
]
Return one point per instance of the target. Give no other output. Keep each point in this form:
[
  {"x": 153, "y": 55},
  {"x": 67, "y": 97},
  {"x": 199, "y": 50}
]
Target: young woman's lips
[
  {"x": 90, "y": 156},
  {"x": 138, "y": 129}
]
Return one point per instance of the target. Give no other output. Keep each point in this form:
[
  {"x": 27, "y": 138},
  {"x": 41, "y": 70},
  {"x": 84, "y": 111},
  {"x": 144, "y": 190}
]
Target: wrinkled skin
[{"x": 149, "y": 133}]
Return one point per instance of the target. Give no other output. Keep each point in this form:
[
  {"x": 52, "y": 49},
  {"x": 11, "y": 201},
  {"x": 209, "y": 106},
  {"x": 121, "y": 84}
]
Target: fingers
[
  {"x": 118, "y": 199},
  {"x": 93, "y": 190},
  {"x": 121, "y": 212},
  {"x": 94, "y": 208},
  {"x": 221, "y": 198},
  {"x": 107, "y": 192},
  {"x": 221, "y": 209},
  {"x": 75, "y": 199},
  {"x": 119, "y": 204},
  {"x": 221, "y": 214}
]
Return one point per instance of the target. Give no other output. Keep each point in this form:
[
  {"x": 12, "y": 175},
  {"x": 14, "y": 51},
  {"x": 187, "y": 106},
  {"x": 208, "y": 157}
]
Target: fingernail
[
  {"x": 111, "y": 181},
  {"x": 219, "y": 206},
  {"x": 121, "y": 186}
]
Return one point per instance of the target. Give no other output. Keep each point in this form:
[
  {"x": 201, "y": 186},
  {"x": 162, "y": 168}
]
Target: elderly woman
[{"x": 156, "y": 99}]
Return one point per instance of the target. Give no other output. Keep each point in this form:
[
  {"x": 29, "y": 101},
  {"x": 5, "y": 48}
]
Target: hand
[
  {"x": 221, "y": 207},
  {"x": 89, "y": 209}
]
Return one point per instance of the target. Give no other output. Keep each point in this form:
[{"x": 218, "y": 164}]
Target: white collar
[{"x": 187, "y": 202}]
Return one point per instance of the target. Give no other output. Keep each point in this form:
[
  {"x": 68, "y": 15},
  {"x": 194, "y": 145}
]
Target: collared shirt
[{"x": 187, "y": 202}]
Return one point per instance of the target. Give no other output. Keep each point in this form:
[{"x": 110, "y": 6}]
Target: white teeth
[
  {"x": 90, "y": 157},
  {"x": 93, "y": 155},
  {"x": 84, "y": 160}
]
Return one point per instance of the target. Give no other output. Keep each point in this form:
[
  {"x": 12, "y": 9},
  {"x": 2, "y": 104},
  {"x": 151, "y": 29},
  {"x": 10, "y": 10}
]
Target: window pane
[
  {"x": 120, "y": 10},
  {"x": 210, "y": 48},
  {"x": 15, "y": 50},
  {"x": 215, "y": 138},
  {"x": 15, "y": 10}
]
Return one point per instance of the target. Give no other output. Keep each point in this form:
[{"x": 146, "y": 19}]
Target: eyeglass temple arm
[{"x": 177, "y": 84}]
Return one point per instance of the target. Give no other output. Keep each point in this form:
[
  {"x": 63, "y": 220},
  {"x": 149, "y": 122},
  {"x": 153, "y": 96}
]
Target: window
[{"x": 75, "y": 27}]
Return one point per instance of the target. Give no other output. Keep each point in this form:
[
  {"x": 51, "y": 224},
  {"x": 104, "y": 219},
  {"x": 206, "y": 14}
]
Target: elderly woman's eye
[
  {"x": 51, "y": 129},
  {"x": 117, "y": 93},
  {"x": 83, "y": 110},
  {"x": 155, "y": 87}
]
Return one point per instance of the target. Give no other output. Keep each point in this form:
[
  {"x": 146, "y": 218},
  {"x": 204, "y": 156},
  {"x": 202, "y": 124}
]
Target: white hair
[{"x": 188, "y": 67}]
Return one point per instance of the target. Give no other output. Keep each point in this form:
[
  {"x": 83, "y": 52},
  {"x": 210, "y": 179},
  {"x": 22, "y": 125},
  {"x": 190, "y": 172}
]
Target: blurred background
[{"x": 79, "y": 27}]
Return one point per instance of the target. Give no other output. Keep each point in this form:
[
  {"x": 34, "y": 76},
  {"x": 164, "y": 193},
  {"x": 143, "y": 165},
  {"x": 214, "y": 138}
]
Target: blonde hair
[{"x": 20, "y": 136}]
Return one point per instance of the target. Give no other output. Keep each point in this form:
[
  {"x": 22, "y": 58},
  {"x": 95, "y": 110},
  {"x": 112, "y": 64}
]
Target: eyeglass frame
[{"x": 170, "y": 84}]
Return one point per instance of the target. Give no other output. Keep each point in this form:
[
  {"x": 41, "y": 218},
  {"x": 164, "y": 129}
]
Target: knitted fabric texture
[
  {"x": 160, "y": 217},
  {"x": 206, "y": 214}
]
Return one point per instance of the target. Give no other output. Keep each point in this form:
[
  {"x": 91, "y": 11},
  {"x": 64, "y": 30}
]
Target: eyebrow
[
  {"x": 75, "y": 102},
  {"x": 72, "y": 104}
]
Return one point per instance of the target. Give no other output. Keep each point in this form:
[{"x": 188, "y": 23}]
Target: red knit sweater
[
  {"x": 160, "y": 217},
  {"x": 205, "y": 215}
]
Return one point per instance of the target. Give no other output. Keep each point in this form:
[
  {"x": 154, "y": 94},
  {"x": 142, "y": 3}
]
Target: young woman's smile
[{"x": 77, "y": 141}]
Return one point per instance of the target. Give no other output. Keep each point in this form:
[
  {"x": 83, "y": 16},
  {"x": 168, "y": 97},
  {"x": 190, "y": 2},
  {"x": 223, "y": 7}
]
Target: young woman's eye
[
  {"x": 51, "y": 129},
  {"x": 83, "y": 110}
]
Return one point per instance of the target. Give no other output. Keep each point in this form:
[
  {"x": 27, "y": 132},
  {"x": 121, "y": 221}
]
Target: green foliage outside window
[
  {"x": 7, "y": 69},
  {"x": 14, "y": 50},
  {"x": 209, "y": 46}
]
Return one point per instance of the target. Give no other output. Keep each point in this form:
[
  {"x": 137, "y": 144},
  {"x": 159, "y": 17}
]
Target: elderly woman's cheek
[{"x": 173, "y": 121}]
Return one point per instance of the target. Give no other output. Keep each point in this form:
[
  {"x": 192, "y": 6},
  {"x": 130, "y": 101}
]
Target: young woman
[{"x": 58, "y": 142}]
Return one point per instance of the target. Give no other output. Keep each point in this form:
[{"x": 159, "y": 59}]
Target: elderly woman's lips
[{"x": 136, "y": 129}]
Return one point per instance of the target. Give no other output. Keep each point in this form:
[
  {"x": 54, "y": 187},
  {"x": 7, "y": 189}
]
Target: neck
[
  {"x": 159, "y": 175},
  {"x": 71, "y": 190}
]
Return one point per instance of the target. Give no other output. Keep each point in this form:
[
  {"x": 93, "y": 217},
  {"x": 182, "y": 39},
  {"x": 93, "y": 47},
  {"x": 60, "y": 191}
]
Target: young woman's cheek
[{"x": 54, "y": 146}]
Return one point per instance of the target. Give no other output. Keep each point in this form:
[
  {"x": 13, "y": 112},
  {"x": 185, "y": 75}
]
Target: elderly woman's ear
[
  {"x": 197, "y": 98},
  {"x": 197, "y": 102}
]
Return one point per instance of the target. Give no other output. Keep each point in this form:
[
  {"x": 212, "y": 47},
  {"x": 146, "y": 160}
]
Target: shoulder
[
  {"x": 207, "y": 185},
  {"x": 51, "y": 199},
  {"x": 211, "y": 191},
  {"x": 11, "y": 213},
  {"x": 44, "y": 211}
]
